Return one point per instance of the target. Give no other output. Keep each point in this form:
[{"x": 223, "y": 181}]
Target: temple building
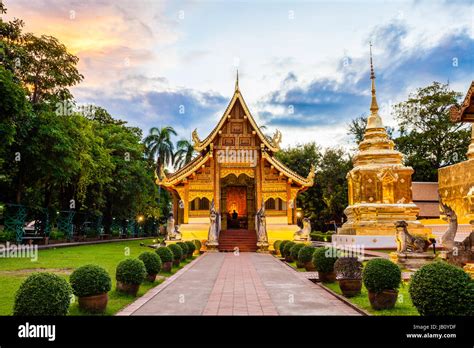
[
  {"x": 236, "y": 168},
  {"x": 379, "y": 189}
]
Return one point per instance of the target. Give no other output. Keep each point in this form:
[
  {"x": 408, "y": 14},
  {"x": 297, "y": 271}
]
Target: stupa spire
[
  {"x": 374, "y": 120},
  {"x": 237, "y": 81}
]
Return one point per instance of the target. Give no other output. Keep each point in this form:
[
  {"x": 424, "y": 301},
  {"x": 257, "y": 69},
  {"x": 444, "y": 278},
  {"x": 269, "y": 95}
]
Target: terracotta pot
[
  {"x": 166, "y": 267},
  {"x": 151, "y": 277},
  {"x": 130, "y": 289},
  {"x": 327, "y": 277},
  {"x": 299, "y": 264},
  {"x": 385, "y": 299},
  {"x": 350, "y": 287},
  {"x": 176, "y": 262},
  {"x": 309, "y": 266},
  {"x": 94, "y": 304}
]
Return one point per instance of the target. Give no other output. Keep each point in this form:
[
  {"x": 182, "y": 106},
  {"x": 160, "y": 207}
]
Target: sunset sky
[{"x": 143, "y": 59}]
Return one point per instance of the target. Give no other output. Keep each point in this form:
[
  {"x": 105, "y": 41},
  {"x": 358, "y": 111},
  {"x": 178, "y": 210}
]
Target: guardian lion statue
[
  {"x": 303, "y": 234},
  {"x": 407, "y": 243}
]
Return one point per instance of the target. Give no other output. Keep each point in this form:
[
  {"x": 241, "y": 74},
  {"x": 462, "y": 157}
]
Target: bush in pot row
[
  {"x": 91, "y": 283},
  {"x": 295, "y": 249},
  {"x": 166, "y": 256},
  {"x": 349, "y": 275},
  {"x": 276, "y": 246},
  {"x": 323, "y": 261},
  {"x": 177, "y": 253},
  {"x": 286, "y": 251},
  {"x": 282, "y": 247},
  {"x": 152, "y": 264},
  {"x": 130, "y": 274},
  {"x": 305, "y": 257},
  {"x": 191, "y": 248},
  {"x": 184, "y": 249},
  {"x": 198, "y": 245},
  {"x": 382, "y": 279}
]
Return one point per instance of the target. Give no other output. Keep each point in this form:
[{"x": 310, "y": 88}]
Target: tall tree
[
  {"x": 428, "y": 138},
  {"x": 184, "y": 153},
  {"x": 159, "y": 145}
]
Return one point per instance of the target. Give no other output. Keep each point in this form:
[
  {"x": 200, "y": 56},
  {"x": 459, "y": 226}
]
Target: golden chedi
[{"x": 379, "y": 188}]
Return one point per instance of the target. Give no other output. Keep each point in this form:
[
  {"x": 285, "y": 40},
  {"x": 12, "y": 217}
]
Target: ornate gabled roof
[
  {"x": 465, "y": 113},
  {"x": 272, "y": 144},
  {"x": 307, "y": 182},
  {"x": 188, "y": 169}
]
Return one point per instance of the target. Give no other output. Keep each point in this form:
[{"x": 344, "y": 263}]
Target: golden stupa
[{"x": 379, "y": 188}]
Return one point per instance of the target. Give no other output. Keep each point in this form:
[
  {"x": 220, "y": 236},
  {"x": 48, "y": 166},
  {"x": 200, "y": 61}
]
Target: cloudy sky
[{"x": 303, "y": 65}]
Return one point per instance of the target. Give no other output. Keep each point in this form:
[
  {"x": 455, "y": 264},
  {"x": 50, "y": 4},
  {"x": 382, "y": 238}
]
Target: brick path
[{"x": 247, "y": 284}]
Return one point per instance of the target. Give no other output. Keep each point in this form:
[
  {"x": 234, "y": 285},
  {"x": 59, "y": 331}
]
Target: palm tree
[
  {"x": 184, "y": 153},
  {"x": 159, "y": 146}
]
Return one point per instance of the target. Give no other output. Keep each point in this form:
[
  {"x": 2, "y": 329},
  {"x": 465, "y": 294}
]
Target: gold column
[
  {"x": 470, "y": 150},
  {"x": 186, "y": 203},
  {"x": 289, "y": 211}
]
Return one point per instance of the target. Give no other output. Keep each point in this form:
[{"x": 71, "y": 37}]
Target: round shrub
[
  {"x": 276, "y": 245},
  {"x": 42, "y": 294},
  {"x": 184, "y": 247},
  {"x": 295, "y": 249},
  {"x": 165, "y": 254},
  {"x": 324, "y": 259},
  {"x": 176, "y": 250},
  {"x": 151, "y": 261},
  {"x": 381, "y": 274},
  {"x": 131, "y": 271},
  {"x": 282, "y": 246},
  {"x": 90, "y": 280},
  {"x": 348, "y": 268},
  {"x": 306, "y": 254},
  {"x": 442, "y": 289},
  {"x": 287, "y": 248},
  {"x": 191, "y": 247},
  {"x": 198, "y": 244}
]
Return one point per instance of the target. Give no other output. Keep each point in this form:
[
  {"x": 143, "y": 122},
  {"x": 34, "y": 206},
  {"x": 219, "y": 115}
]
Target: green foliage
[
  {"x": 321, "y": 237},
  {"x": 348, "y": 268},
  {"x": 381, "y": 274},
  {"x": 191, "y": 247},
  {"x": 184, "y": 247},
  {"x": 295, "y": 249},
  {"x": 442, "y": 289},
  {"x": 166, "y": 255},
  {"x": 306, "y": 253},
  {"x": 90, "y": 280},
  {"x": 324, "y": 259},
  {"x": 282, "y": 246},
  {"x": 131, "y": 271},
  {"x": 276, "y": 245},
  {"x": 197, "y": 243},
  {"x": 151, "y": 261},
  {"x": 43, "y": 294},
  {"x": 287, "y": 248},
  {"x": 177, "y": 251}
]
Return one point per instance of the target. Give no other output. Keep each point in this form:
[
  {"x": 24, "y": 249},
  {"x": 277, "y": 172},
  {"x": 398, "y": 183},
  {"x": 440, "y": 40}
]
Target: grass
[
  {"x": 62, "y": 261},
  {"x": 403, "y": 306},
  {"x": 293, "y": 264}
]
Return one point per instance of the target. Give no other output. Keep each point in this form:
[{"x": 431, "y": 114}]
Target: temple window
[{"x": 270, "y": 204}]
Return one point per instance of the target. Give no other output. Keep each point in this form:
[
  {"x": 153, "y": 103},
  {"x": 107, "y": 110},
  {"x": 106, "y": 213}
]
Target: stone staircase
[{"x": 245, "y": 240}]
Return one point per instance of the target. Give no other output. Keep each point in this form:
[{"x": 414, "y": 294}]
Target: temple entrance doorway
[{"x": 236, "y": 207}]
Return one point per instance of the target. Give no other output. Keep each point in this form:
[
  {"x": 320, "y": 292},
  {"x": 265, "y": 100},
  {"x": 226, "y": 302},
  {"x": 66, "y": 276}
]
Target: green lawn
[
  {"x": 62, "y": 261},
  {"x": 402, "y": 307}
]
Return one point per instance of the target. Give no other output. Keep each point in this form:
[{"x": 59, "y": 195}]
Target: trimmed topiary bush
[
  {"x": 442, "y": 289},
  {"x": 324, "y": 259},
  {"x": 276, "y": 246},
  {"x": 165, "y": 254},
  {"x": 184, "y": 247},
  {"x": 295, "y": 249},
  {"x": 381, "y": 274},
  {"x": 306, "y": 254},
  {"x": 151, "y": 261},
  {"x": 348, "y": 268},
  {"x": 287, "y": 248},
  {"x": 198, "y": 244},
  {"x": 191, "y": 247},
  {"x": 131, "y": 271},
  {"x": 177, "y": 251},
  {"x": 90, "y": 280},
  {"x": 42, "y": 294},
  {"x": 282, "y": 246}
]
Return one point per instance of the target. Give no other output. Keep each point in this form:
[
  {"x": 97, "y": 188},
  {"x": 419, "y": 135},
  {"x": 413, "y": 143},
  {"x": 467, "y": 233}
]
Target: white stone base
[{"x": 367, "y": 242}]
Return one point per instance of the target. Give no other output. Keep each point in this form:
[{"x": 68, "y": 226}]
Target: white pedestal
[{"x": 366, "y": 242}]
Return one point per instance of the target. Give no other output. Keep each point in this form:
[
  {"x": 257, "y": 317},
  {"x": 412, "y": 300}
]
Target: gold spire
[
  {"x": 237, "y": 81},
  {"x": 374, "y": 120}
]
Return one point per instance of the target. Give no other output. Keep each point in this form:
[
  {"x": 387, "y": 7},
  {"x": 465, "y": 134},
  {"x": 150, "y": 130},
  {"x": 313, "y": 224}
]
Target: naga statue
[
  {"x": 447, "y": 240},
  {"x": 196, "y": 139},
  {"x": 407, "y": 243},
  {"x": 276, "y": 139},
  {"x": 261, "y": 227},
  {"x": 214, "y": 227},
  {"x": 172, "y": 231},
  {"x": 303, "y": 234}
]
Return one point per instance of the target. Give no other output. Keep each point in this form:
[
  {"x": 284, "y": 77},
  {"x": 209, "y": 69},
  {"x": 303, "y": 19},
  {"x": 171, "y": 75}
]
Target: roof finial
[
  {"x": 237, "y": 81},
  {"x": 374, "y": 120}
]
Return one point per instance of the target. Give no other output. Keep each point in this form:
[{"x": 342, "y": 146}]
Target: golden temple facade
[
  {"x": 237, "y": 168},
  {"x": 379, "y": 188}
]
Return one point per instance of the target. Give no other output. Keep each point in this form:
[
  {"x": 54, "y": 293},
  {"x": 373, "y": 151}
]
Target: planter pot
[
  {"x": 176, "y": 262},
  {"x": 94, "y": 304},
  {"x": 151, "y": 277},
  {"x": 130, "y": 289},
  {"x": 167, "y": 266},
  {"x": 350, "y": 287},
  {"x": 309, "y": 267},
  {"x": 385, "y": 299},
  {"x": 299, "y": 264},
  {"x": 327, "y": 277}
]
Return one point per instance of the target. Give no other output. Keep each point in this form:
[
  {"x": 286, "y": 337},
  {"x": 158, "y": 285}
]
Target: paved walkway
[{"x": 245, "y": 284}]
